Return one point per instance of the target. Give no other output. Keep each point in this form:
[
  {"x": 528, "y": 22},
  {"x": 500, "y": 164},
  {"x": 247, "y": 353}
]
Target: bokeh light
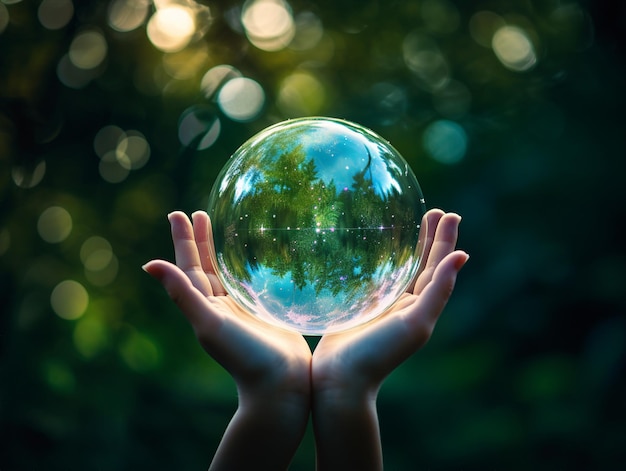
[
  {"x": 199, "y": 126},
  {"x": 187, "y": 63},
  {"x": 25, "y": 178},
  {"x": 514, "y": 48},
  {"x": 55, "y": 14},
  {"x": 101, "y": 264},
  {"x": 54, "y": 224},
  {"x": 269, "y": 24},
  {"x": 107, "y": 138},
  {"x": 128, "y": 15},
  {"x": 309, "y": 31},
  {"x": 483, "y": 25},
  {"x": 104, "y": 276},
  {"x": 301, "y": 94},
  {"x": 91, "y": 332},
  {"x": 445, "y": 141},
  {"x": 139, "y": 351},
  {"x": 69, "y": 299},
  {"x": 114, "y": 168},
  {"x": 217, "y": 76},
  {"x": 133, "y": 150},
  {"x": 241, "y": 99},
  {"x": 96, "y": 253},
  {"x": 171, "y": 27},
  {"x": 88, "y": 49},
  {"x": 424, "y": 58},
  {"x": 72, "y": 76},
  {"x": 120, "y": 152}
]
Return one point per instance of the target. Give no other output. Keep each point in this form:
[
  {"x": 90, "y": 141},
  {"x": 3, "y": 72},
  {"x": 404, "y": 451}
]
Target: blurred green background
[{"x": 114, "y": 113}]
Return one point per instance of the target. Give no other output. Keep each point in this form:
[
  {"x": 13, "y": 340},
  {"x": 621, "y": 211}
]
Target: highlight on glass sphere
[{"x": 316, "y": 224}]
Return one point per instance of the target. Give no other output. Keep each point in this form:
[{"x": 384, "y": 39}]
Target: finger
[
  {"x": 425, "y": 240},
  {"x": 201, "y": 235},
  {"x": 436, "y": 294},
  {"x": 431, "y": 220},
  {"x": 191, "y": 301},
  {"x": 443, "y": 243},
  {"x": 186, "y": 251},
  {"x": 204, "y": 240},
  {"x": 409, "y": 325}
]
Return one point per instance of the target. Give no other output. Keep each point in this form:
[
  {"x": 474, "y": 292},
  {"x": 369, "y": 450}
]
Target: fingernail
[{"x": 462, "y": 261}]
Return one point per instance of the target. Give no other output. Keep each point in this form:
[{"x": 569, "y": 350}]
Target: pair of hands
[{"x": 279, "y": 380}]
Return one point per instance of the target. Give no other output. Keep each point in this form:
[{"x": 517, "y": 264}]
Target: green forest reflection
[{"x": 316, "y": 224}]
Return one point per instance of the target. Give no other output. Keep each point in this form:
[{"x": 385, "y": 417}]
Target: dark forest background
[{"x": 114, "y": 113}]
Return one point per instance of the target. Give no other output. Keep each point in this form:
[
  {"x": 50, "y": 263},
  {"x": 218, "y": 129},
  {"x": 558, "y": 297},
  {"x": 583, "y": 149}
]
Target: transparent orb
[{"x": 316, "y": 224}]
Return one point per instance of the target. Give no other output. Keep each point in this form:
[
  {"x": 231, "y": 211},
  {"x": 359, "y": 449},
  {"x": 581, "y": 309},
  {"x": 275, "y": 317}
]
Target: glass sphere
[{"x": 316, "y": 224}]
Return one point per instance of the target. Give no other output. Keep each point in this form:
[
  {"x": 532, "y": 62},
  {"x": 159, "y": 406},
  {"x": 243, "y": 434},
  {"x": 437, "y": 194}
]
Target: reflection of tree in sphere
[{"x": 316, "y": 223}]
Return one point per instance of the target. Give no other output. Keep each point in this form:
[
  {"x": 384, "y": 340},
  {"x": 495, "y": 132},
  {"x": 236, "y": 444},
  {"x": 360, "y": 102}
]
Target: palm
[
  {"x": 245, "y": 346},
  {"x": 249, "y": 349},
  {"x": 372, "y": 351}
]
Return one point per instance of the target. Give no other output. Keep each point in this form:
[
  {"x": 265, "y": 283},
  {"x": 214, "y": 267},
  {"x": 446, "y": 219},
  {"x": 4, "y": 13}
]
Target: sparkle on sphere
[{"x": 316, "y": 224}]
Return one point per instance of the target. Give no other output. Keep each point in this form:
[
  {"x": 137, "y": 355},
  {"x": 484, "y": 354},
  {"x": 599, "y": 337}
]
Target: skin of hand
[
  {"x": 278, "y": 380},
  {"x": 270, "y": 366},
  {"x": 349, "y": 367}
]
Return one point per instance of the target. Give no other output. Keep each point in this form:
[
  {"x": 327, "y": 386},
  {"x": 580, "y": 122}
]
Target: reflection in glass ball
[{"x": 315, "y": 224}]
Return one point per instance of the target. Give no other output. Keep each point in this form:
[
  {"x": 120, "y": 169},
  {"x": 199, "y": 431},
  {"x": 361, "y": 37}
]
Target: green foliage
[{"x": 526, "y": 367}]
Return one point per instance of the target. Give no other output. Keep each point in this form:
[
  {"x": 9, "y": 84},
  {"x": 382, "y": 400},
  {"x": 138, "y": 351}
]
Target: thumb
[{"x": 191, "y": 302}]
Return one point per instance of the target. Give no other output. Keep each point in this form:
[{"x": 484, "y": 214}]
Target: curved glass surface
[{"x": 316, "y": 224}]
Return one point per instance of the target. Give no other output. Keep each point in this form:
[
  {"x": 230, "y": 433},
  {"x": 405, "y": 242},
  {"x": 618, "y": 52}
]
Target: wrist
[
  {"x": 273, "y": 400},
  {"x": 344, "y": 404},
  {"x": 338, "y": 385},
  {"x": 345, "y": 424},
  {"x": 281, "y": 376},
  {"x": 269, "y": 427}
]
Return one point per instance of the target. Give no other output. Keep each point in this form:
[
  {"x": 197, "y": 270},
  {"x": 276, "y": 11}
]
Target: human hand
[
  {"x": 270, "y": 366},
  {"x": 349, "y": 367}
]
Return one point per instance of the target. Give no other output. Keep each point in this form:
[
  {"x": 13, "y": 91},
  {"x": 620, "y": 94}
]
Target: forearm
[
  {"x": 346, "y": 431},
  {"x": 264, "y": 433}
]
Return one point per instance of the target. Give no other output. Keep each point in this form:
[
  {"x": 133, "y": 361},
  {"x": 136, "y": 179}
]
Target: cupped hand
[
  {"x": 277, "y": 377},
  {"x": 358, "y": 360},
  {"x": 261, "y": 358},
  {"x": 270, "y": 366}
]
